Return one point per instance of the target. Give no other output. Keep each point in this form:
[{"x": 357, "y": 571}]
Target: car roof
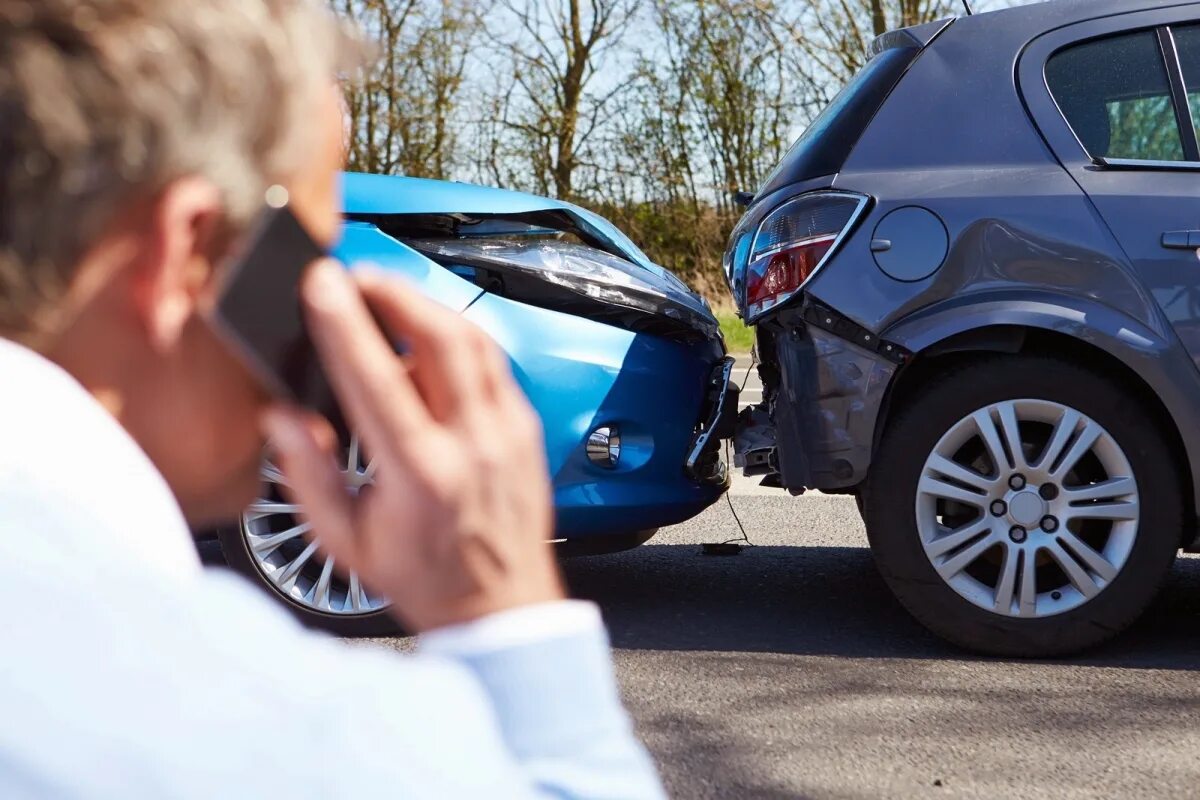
[
  {"x": 1030, "y": 21},
  {"x": 959, "y": 103}
]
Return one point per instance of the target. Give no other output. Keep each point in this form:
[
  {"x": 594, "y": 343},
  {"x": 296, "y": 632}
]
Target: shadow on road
[{"x": 822, "y": 601}]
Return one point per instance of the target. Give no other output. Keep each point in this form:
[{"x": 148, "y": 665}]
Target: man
[{"x": 137, "y": 141}]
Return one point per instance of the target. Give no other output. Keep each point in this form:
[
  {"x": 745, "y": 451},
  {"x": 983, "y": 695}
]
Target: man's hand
[{"x": 456, "y": 524}]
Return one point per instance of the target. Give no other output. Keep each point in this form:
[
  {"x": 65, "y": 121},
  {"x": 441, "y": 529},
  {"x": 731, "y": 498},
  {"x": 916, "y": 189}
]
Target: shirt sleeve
[
  {"x": 522, "y": 704},
  {"x": 547, "y": 670},
  {"x": 513, "y": 628}
]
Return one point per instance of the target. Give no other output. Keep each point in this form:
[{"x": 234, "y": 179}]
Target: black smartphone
[{"x": 258, "y": 309}]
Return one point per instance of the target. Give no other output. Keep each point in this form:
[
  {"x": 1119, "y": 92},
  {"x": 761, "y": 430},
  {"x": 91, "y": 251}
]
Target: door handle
[{"x": 1181, "y": 240}]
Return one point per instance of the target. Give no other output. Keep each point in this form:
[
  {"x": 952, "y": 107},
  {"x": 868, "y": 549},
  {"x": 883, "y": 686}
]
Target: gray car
[{"x": 976, "y": 286}]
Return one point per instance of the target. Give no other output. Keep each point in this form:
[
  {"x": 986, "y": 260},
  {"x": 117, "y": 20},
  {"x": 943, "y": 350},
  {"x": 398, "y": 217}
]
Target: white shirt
[{"x": 127, "y": 670}]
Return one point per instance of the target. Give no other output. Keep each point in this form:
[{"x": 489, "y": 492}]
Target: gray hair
[{"x": 106, "y": 102}]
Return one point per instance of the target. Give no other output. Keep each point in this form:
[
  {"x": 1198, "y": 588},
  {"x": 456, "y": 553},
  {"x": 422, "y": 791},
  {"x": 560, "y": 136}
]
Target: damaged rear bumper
[{"x": 823, "y": 391}]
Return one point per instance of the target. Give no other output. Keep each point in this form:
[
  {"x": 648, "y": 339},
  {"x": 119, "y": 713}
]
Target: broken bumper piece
[
  {"x": 754, "y": 443},
  {"x": 704, "y": 463},
  {"x": 816, "y": 428}
]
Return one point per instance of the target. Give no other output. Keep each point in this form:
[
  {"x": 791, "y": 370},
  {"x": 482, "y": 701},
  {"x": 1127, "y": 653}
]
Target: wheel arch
[{"x": 1147, "y": 363}]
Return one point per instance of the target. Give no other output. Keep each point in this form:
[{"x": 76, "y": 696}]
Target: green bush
[
  {"x": 738, "y": 337},
  {"x": 686, "y": 238}
]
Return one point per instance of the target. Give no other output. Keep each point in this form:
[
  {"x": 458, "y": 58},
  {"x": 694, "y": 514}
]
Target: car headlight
[
  {"x": 579, "y": 279},
  {"x": 793, "y": 242}
]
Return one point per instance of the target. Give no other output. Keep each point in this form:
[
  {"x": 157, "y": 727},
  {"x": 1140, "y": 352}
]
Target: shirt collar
[{"x": 75, "y": 462}]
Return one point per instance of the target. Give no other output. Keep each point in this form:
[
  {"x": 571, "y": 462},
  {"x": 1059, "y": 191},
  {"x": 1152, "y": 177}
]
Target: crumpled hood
[{"x": 388, "y": 194}]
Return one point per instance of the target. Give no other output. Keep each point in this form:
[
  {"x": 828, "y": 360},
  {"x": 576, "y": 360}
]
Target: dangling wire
[
  {"x": 729, "y": 501},
  {"x": 744, "y": 539},
  {"x": 728, "y": 460},
  {"x": 749, "y": 369}
]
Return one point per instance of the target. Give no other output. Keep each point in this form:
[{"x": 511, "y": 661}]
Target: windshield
[{"x": 826, "y": 144}]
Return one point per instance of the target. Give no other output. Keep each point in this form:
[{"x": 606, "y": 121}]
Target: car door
[{"x": 1128, "y": 89}]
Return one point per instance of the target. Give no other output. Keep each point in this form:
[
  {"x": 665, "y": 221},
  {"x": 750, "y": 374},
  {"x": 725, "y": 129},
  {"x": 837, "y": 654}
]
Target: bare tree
[
  {"x": 554, "y": 50},
  {"x": 442, "y": 51},
  {"x": 373, "y": 97},
  {"x": 744, "y": 101},
  {"x": 403, "y": 112},
  {"x": 833, "y": 40}
]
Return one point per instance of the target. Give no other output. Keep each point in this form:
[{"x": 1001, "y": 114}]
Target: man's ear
[{"x": 176, "y": 262}]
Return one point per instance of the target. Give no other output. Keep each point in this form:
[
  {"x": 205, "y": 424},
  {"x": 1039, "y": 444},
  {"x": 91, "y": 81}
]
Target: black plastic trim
[
  {"x": 1179, "y": 96},
  {"x": 1149, "y": 166},
  {"x": 829, "y": 320},
  {"x": 720, "y": 423}
]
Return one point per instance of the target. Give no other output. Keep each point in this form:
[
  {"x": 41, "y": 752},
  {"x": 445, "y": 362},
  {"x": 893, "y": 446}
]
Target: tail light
[{"x": 793, "y": 243}]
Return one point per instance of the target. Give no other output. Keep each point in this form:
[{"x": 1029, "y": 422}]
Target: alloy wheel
[
  {"x": 290, "y": 561},
  {"x": 1027, "y": 508}
]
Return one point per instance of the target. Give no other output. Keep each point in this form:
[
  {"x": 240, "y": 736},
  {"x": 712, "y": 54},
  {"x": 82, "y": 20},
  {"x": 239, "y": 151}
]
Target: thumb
[{"x": 312, "y": 479}]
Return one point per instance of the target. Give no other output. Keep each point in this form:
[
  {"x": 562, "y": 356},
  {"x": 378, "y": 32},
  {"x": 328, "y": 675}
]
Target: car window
[
  {"x": 1116, "y": 96},
  {"x": 826, "y": 143},
  {"x": 1187, "y": 42}
]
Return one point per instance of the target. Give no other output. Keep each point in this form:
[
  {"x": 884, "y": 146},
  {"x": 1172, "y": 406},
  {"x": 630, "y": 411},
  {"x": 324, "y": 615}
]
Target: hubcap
[
  {"x": 1026, "y": 509},
  {"x": 290, "y": 563},
  {"x": 1068, "y": 504}
]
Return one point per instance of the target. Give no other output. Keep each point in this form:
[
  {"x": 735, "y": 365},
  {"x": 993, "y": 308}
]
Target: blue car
[{"x": 624, "y": 363}]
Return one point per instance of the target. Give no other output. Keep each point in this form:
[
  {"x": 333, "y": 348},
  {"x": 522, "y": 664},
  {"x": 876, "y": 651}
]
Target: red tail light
[
  {"x": 787, "y": 271},
  {"x": 792, "y": 243}
]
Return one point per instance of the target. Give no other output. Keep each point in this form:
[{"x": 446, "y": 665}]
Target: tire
[
  {"x": 236, "y": 549},
  {"x": 268, "y": 546},
  {"x": 910, "y": 520}
]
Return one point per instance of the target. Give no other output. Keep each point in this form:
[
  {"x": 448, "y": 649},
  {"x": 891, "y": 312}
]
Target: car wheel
[
  {"x": 269, "y": 547},
  {"x": 1024, "y": 506}
]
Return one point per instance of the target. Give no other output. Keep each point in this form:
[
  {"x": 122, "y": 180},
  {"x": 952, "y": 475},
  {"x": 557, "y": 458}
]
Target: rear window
[
  {"x": 826, "y": 144},
  {"x": 1117, "y": 98}
]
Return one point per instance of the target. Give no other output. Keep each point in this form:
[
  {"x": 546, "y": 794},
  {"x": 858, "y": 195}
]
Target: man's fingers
[
  {"x": 499, "y": 380},
  {"x": 374, "y": 390},
  {"x": 313, "y": 479},
  {"x": 445, "y": 351}
]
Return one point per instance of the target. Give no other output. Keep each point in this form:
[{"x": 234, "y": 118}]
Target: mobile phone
[{"x": 258, "y": 309}]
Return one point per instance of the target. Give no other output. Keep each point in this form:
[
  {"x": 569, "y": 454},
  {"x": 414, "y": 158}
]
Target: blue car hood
[
  {"x": 385, "y": 219},
  {"x": 388, "y": 194}
]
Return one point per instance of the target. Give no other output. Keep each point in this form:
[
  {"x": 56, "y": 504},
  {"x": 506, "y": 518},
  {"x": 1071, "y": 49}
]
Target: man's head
[{"x": 137, "y": 140}]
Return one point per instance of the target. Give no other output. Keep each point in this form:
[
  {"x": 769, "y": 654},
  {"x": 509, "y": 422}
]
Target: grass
[{"x": 738, "y": 338}]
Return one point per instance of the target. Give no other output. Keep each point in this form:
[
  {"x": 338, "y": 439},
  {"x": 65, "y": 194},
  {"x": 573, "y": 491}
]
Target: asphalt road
[{"x": 789, "y": 671}]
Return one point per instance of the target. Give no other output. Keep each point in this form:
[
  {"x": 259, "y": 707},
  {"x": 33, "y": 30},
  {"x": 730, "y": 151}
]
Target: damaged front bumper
[
  {"x": 719, "y": 421},
  {"x": 824, "y": 383}
]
